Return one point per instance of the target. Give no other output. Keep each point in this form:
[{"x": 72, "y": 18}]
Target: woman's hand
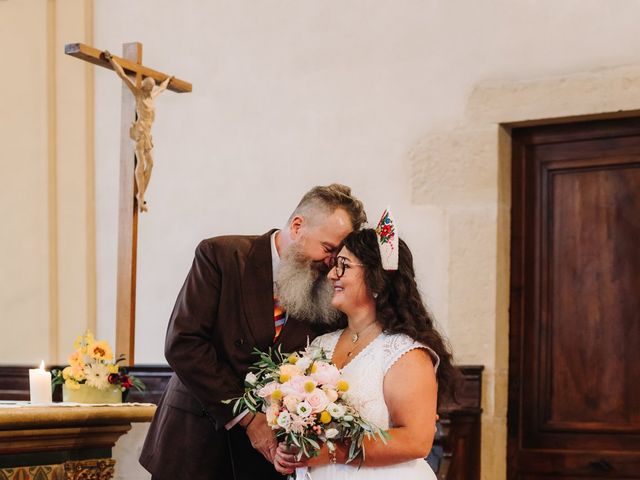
[{"x": 285, "y": 460}]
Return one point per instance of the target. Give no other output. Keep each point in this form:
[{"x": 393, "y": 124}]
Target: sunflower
[{"x": 100, "y": 350}]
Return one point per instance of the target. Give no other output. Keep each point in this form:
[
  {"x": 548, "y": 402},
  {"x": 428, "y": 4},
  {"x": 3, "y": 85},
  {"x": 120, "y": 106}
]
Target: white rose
[{"x": 251, "y": 378}]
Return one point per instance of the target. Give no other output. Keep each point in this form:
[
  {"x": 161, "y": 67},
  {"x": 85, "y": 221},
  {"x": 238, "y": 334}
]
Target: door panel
[{"x": 574, "y": 389}]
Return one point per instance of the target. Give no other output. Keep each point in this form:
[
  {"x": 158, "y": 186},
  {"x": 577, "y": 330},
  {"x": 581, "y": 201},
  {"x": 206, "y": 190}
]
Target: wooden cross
[{"x": 131, "y": 62}]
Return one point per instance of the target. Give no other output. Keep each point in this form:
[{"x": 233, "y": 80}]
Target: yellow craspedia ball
[
  {"x": 293, "y": 358},
  {"x": 309, "y": 387},
  {"x": 284, "y": 377},
  {"x": 342, "y": 385},
  {"x": 325, "y": 417},
  {"x": 276, "y": 395}
]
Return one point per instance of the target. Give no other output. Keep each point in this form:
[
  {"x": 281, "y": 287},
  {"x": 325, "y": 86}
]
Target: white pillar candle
[{"x": 40, "y": 384}]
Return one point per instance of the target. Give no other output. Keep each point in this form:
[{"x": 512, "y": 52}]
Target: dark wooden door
[{"x": 574, "y": 379}]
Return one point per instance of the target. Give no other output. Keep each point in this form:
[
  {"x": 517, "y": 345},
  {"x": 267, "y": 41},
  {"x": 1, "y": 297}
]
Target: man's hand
[
  {"x": 285, "y": 460},
  {"x": 262, "y": 437}
]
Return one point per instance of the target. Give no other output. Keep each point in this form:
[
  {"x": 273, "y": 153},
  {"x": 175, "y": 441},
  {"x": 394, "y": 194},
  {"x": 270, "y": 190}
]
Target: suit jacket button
[{"x": 239, "y": 342}]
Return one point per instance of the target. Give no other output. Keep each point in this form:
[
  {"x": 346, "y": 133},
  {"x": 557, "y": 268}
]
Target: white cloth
[
  {"x": 19, "y": 404},
  {"x": 365, "y": 374}
]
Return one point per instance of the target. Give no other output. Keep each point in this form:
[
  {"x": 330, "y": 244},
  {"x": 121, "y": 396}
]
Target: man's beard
[{"x": 303, "y": 288}]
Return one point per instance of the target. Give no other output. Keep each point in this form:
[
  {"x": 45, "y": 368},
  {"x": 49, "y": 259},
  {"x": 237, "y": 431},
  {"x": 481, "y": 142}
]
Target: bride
[{"x": 390, "y": 353}]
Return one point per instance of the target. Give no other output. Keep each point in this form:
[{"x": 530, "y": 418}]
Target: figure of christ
[{"x": 140, "y": 131}]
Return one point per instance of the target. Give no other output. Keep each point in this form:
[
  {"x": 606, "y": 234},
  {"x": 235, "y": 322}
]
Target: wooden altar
[{"x": 63, "y": 442}]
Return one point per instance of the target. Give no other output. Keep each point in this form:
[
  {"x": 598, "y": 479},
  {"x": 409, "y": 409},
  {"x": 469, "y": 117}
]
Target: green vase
[{"x": 89, "y": 394}]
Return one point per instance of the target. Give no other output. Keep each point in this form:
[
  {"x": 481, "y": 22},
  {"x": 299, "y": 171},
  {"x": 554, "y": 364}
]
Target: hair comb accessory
[{"x": 388, "y": 241}]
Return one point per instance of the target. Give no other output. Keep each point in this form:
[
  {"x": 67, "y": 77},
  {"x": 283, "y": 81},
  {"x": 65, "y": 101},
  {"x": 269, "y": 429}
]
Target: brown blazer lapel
[
  {"x": 257, "y": 291},
  {"x": 294, "y": 336}
]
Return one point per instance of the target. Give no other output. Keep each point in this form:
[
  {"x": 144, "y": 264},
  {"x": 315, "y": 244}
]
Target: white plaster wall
[
  {"x": 289, "y": 94},
  {"x": 47, "y": 273},
  {"x": 24, "y": 293}
]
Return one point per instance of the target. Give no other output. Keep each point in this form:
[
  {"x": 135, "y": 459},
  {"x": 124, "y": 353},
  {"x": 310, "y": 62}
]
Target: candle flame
[{"x": 42, "y": 365}]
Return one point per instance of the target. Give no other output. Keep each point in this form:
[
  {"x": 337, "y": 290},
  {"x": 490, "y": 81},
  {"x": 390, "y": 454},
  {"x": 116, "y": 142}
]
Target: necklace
[{"x": 355, "y": 336}]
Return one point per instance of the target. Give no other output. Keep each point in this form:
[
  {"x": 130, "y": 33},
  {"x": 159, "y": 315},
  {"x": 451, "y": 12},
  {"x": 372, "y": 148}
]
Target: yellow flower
[
  {"x": 74, "y": 373},
  {"x": 314, "y": 368},
  {"x": 309, "y": 386},
  {"x": 293, "y": 358},
  {"x": 100, "y": 351},
  {"x": 287, "y": 371},
  {"x": 75, "y": 359},
  {"x": 78, "y": 343},
  {"x": 77, "y": 372},
  {"x": 276, "y": 395},
  {"x": 67, "y": 373},
  {"x": 342, "y": 385},
  {"x": 113, "y": 368},
  {"x": 325, "y": 417},
  {"x": 89, "y": 338},
  {"x": 71, "y": 384}
]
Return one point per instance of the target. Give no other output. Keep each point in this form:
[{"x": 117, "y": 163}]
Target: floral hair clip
[{"x": 388, "y": 241}]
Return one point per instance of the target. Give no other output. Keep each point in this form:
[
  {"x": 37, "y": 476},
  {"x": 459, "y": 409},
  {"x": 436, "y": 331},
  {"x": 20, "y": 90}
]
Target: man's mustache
[{"x": 319, "y": 266}]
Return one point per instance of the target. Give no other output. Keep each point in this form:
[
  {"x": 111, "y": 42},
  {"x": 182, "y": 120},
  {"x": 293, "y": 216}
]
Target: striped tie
[{"x": 279, "y": 317}]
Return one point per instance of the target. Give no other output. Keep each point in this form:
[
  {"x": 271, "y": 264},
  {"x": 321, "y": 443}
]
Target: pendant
[{"x": 354, "y": 338}]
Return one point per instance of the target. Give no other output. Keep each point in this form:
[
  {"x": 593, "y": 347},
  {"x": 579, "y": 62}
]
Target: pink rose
[
  {"x": 295, "y": 386},
  {"x": 332, "y": 395},
  {"x": 318, "y": 400},
  {"x": 268, "y": 389},
  {"x": 326, "y": 374},
  {"x": 291, "y": 402}
]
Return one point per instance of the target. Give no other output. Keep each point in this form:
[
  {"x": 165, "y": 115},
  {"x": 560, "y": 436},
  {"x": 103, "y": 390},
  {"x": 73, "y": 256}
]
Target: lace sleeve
[{"x": 396, "y": 346}]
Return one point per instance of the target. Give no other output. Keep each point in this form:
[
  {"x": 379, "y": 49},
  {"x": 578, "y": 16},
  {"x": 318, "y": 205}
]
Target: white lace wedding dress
[{"x": 365, "y": 374}]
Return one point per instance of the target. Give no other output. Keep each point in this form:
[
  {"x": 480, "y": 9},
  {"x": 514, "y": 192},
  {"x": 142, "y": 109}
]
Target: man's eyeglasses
[{"x": 341, "y": 264}]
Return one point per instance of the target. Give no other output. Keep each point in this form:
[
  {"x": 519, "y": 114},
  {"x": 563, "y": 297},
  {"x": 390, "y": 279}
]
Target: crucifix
[{"x": 137, "y": 115}]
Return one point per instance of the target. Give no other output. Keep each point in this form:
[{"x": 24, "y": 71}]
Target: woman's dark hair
[{"x": 399, "y": 305}]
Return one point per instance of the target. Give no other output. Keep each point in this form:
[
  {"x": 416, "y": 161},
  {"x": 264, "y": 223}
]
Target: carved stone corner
[{"x": 102, "y": 469}]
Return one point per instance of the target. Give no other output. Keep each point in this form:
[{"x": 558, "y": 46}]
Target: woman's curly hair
[{"x": 399, "y": 305}]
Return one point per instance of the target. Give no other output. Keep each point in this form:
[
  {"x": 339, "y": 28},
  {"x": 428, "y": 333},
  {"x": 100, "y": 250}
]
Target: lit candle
[{"x": 40, "y": 384}]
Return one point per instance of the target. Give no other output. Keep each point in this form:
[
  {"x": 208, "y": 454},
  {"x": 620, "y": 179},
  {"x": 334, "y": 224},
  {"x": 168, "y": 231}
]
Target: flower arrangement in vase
[{"x": 92, "y": 375}]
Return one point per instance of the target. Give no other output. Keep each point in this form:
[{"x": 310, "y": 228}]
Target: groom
[{"x": 232, "y": 302}]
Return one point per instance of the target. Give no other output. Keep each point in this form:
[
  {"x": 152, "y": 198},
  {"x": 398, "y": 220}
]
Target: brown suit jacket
[{"x": 223, "y": 311}]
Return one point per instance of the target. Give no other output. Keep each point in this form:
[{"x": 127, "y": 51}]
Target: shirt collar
[{"x": 275, "y": 258}]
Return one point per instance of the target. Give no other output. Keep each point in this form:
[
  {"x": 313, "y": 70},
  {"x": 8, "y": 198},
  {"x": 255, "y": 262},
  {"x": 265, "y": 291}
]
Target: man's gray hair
[{"x": 326, "y": 200}]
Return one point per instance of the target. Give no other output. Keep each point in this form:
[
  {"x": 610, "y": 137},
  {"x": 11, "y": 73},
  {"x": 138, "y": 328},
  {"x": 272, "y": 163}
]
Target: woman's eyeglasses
[{"x": 341, "y": 264}]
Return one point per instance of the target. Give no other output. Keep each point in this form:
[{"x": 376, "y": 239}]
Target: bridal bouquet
[{"x": 302, "y": 396}]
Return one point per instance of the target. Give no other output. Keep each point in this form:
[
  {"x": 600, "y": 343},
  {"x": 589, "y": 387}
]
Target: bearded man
[{"x": 243, "y": 292}]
